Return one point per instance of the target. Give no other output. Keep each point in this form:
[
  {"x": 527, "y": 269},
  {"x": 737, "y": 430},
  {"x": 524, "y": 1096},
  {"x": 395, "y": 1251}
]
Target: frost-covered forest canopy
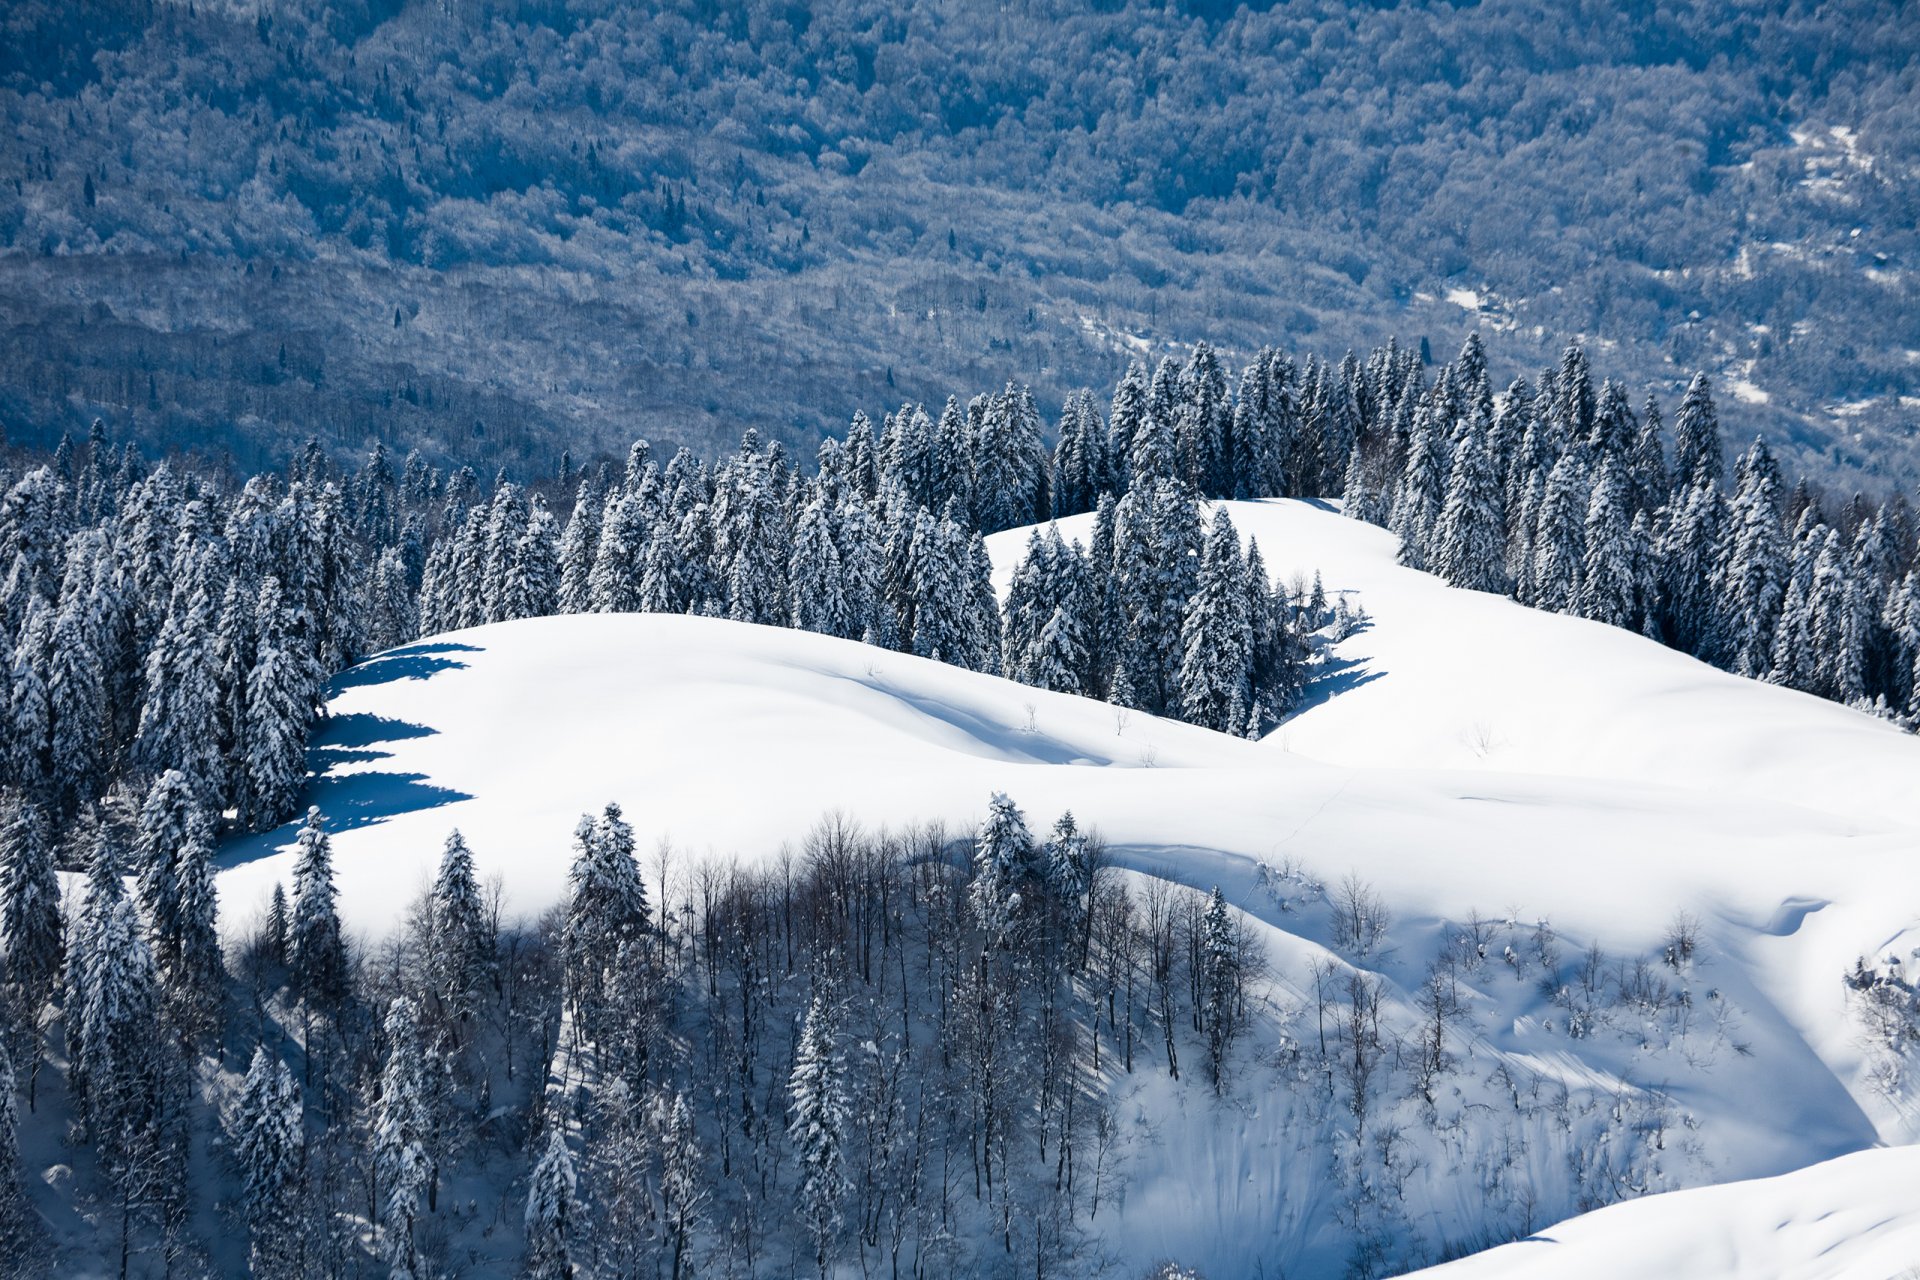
[{"x": 484, "y": 229}]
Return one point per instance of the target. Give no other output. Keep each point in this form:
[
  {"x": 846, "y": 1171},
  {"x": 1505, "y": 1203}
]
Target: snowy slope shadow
[
  {"x": 411, "y": 662},
  {"x": 983, "y": 737}
]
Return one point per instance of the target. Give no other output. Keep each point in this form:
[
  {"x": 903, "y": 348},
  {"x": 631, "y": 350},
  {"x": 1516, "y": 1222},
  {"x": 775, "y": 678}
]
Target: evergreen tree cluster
[{"x": 1565, "y": 497}]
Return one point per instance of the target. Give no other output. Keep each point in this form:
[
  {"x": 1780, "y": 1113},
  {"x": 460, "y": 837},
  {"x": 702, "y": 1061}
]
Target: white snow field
[
  {"x": 1853, "y": 1217},
  {"x": 1461, "y": 755}
]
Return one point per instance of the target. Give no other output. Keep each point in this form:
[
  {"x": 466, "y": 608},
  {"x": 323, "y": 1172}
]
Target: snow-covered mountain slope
[
  {"x": 1466, "y": 680},
  {"x": 1462, "y": 755},
  {"x": 1854, "y": 1218}
]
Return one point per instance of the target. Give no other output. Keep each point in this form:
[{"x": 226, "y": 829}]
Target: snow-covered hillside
[
  {"x": 1853, "y": 1218},
  {"x": 1461, "y": 755}
]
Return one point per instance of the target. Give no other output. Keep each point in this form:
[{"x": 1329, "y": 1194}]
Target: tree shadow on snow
[
  {"x": 410, "y": 662},
  {"x": 347, "y": 739},
  {"x": 1335, "y": 677},
  {"x": 348, "y": 803},
  {"x": 351, "y": 800}
]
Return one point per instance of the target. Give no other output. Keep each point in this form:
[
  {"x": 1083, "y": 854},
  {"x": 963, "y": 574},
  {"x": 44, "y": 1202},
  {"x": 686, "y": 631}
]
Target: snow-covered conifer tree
[
  {"x": 1469, "y": 544},
  {"x": 462, "y": 953},
  {"x": 316, "y": 952},
  {"x": 1217, "y": 636},
  {"x": 1005, "y": 874},
  {"x": 818, "y": 1109},
  {"x": 31, "y": 930},
  {"x": 554, "y": 1217},
  {"x": 401, "y": 1128},
  {"x": 268, "y": 1141},
  {"x": 1608, "y": 592}
]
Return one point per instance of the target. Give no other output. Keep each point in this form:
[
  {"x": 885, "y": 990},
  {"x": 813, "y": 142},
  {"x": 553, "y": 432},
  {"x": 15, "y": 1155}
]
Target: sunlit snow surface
[{"x": 1460, "y": 753}]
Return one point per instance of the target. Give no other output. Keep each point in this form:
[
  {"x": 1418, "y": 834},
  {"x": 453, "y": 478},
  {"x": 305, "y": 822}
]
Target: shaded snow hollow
[{"x": 1461, "y": 753}]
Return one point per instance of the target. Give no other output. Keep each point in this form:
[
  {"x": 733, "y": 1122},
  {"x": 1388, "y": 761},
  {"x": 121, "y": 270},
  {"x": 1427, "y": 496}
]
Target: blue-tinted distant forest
[{"x": 494, "y": 230}]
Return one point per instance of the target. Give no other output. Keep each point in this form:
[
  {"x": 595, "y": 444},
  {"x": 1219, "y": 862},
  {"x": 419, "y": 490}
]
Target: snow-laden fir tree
[
  {"x": 1201, "y": 423},
  {"x": 1756, "y": 567},
  {"x": 461, "y": 960},
  {"x": 578, "y": 545},
  {"x": 1069, "y": 878},
  {"x": 179, "y": 722},
  {"x": 1217, "y": 661},
  {"x": 1422, "y": 493},
  {"x": 32, "y": 935},
  {"x": 1698, "y": 457},
  {"x": 1837, "y": 624},
  {"x": 1469, "y": 543},
  {"x": 76, "y": 696},
  {"x": 1608, "y": 591},
  {"x": 606, "y": 915},
  {"x": 29, "y": 744},
  {"x": 751, "y": 538},
  {"x": 166, "y": 817},
  {"x": 1005, "y": 871},
  {"x": 1690, "y": 569},
  {"x": 316, "y": 951},
  {"x": 392, "y": 619},
  {"x": 530, "y": 581},
  {"x": 193, "y": 978},
  {"x": 401, "y": 1128},
  {"x": 1220, "y": 985},
  {"x": 819, "y": 594},
  {"x": 684, "y": 1185},
  {"x": 112, "y": 1010},
  {"x": 818, "y": 1110},
  {"x": 279, "y": 710},
  {"x": 1559, "y": 539},
  {"x": 269, "y": 1140},
  {"x": 555, "y": 1218}
]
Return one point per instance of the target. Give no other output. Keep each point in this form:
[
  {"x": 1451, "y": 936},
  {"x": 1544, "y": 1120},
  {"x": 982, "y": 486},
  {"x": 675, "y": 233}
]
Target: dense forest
[
  {"x": 488, "y": 229},
  {"x": 887, "y": 1051}
]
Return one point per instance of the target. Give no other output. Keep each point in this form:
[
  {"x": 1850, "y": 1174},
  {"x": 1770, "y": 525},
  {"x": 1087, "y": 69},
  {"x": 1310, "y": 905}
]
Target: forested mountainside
[
  {"x": 674, "y": 1073},
  {"x": 486, "y": 230}
]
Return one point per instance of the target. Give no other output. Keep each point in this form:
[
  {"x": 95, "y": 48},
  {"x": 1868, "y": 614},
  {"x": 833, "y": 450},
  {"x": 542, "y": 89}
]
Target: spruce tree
[
  {"x": 606, "y": 914},
  {"x": 29, "y": 744},
  {"x": 279, "y": 710},
  {"x": 316, "y": 952},
  {"x": 1221, "y": 966},
  {"x": 1698, "y": 458},
  {"x": 818, "y": 1110},
  {"x": 819, "y": 597},
  {"x": 1559, "y": 540},
  {"x": 1607, "y": 587},
  {"x": 554, "y": 1217},
  {"x": 1470, "y": 545},
  {"x": 32, "y": 931},
  {"x": 1419, "y": 500},
  {"x": 112, "y": 1012},
  {"x": 462, "y": 961},
  {"x": 1756, "y": 569},
  {"x": 1690, "y": 571},
  {"x": 1217, "y": 636},
  {"x": 1005, "y": 873},
  {"x": 402, "y": 1126},
  {"x": 268, "y": 1141}
]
